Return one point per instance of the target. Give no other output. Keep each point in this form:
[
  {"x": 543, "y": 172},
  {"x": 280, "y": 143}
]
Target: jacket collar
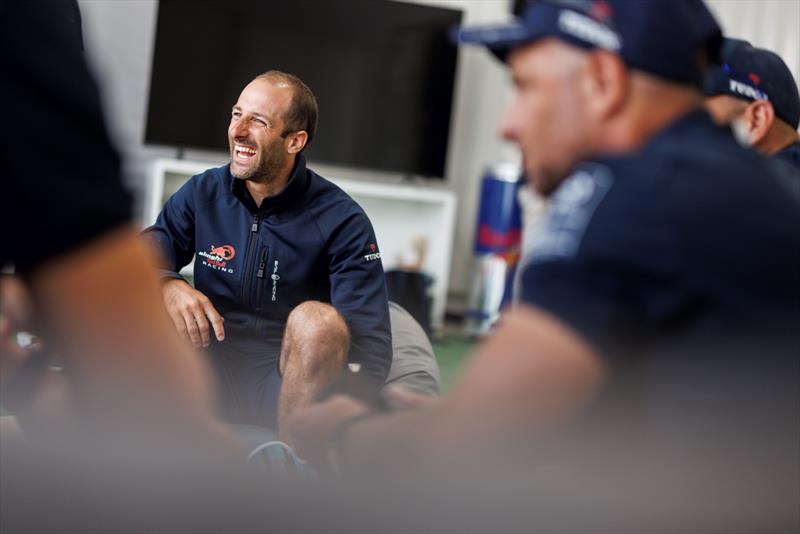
[{"x": 298, "y": 180}]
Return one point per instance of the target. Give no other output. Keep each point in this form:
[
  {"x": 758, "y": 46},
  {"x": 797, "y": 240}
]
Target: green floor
[{"x": 452, "y": 351}]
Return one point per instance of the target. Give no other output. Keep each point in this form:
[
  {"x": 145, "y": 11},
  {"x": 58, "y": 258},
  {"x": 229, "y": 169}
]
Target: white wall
[{"x": 119, "y": 37}]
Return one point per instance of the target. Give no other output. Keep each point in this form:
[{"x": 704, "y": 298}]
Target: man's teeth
[{"x": 245, "y": 149}]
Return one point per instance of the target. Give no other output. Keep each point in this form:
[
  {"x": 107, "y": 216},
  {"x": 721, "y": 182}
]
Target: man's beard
[
  {"x": 273, "y": 161},
  {"x": 741, "y": 132}
]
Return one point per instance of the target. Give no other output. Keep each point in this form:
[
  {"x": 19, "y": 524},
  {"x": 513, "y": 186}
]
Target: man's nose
[
  {"x": 508, "y": 124},
  {"x": 237, "y": 128}
]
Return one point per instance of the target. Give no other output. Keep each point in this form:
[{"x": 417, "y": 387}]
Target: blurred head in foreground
[{"x": 597, "y": 77}]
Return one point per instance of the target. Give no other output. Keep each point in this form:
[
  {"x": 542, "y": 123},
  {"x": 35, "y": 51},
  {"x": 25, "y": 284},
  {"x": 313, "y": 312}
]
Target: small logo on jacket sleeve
[{"x": 373, "y": 253}]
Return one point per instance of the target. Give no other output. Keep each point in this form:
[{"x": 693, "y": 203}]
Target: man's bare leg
[{"x": 315, "y": 346}]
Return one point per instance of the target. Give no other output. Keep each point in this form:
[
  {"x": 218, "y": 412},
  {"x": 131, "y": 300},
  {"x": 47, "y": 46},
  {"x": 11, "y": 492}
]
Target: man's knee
[
  {"x": 318, "y": 322},
  {"x": 316, "y": 330}
]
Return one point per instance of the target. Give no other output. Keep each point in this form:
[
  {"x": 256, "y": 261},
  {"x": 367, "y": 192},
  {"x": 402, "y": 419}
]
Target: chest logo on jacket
[{"x": 218, "y": 258}]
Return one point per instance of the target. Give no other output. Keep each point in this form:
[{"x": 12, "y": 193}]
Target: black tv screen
[{"x": 382, "y": 71}]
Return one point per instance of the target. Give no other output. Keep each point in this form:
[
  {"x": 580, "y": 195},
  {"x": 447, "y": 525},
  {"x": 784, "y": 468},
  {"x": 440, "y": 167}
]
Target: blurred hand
[
  {"x": 191, "y": 312},
  {"x": 311, "y": 429},
  {"x": 16, "y": 315},
  {"x": 38, "y": 399}
]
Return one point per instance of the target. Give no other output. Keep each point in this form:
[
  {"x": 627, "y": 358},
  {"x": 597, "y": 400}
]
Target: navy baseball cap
[
  {"x": 751, "y": 73},
  {"x": 661, "y": 37}
]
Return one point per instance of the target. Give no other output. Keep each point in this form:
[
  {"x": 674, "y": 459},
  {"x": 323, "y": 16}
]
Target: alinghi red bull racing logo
[{"x": 218, "y": 258}]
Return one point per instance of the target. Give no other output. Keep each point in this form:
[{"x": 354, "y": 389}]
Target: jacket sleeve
[
  {"x": 173, "y": 233},
  {"x": 358, "y": 291}
]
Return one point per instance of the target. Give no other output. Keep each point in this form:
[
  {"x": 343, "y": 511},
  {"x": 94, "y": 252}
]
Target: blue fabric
[
  {"x": 790, "y": 155},
  {"x": 685, "y": 242},
  {"x": 248, "y": 386},
  {"x": 662, "y": 37},
  {"x": 680, "y": 266}
]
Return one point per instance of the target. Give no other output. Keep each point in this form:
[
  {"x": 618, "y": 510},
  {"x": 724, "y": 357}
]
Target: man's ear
[
  {"x": 296, "y": 141},
  {"x": 606, "y": 83},
  {"x": 760, "y": 115}
]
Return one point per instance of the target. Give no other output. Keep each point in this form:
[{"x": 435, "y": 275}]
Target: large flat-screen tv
[{"x": 383, "y": 73}]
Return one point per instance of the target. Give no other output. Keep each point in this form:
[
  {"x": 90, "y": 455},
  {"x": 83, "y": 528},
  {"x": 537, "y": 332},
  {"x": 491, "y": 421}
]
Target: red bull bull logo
[{"x": 226, "y": 252}]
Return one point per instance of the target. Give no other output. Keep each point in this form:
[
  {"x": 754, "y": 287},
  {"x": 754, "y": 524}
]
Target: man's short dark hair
[{"x": 303, "y": 113}]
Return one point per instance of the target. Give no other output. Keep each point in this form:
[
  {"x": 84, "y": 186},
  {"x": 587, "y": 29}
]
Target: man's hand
[
  {"x": 311, "y": 429},
  {"x": 191, "y": 311},
  {"x": 39, "y": 399}
]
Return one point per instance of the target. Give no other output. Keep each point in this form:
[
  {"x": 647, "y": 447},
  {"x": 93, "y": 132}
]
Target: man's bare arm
[
  {"x": 127, "y": 366},
  {"x": 533, "y": 375}
]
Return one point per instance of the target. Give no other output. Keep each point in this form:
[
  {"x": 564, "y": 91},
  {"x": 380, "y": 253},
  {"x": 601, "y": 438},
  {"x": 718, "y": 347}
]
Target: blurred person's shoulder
[
  {"x": 787, "y": 162},
  {"x": 690, "y": 185},
  {"x": 695, "y": 172},
  {"x": 710, "y": 160}
]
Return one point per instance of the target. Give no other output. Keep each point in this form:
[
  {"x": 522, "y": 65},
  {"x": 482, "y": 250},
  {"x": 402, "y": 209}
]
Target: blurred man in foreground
[
  {"x": 649, "y": 297},
  {"x": 113, "y": 394},
  {"x": 67, "y": 233},
  {"x": 753, "y": 91}
]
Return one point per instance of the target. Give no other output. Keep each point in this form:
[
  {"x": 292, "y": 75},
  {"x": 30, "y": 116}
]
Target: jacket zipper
[
  {"x": 248, "y": 263},
  {"x": 261, "y": 275}
]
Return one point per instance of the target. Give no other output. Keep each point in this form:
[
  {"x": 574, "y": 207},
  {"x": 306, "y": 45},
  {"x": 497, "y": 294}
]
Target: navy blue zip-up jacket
[{"x": 310, "y": 242}]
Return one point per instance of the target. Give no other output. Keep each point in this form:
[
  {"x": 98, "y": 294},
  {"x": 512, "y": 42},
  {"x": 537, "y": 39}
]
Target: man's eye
[
  {"x": 235, "y": 114},
  {"x": 260, "y": 122}
]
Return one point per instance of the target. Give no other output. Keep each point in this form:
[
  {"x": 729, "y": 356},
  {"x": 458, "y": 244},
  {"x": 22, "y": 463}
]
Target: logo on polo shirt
[
  {"x": 218, "y": 257},
  {"x": 569, "y": 213}
]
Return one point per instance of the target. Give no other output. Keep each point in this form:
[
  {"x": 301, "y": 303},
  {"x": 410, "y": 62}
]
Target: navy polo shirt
[
  {"x": 687, "y": 249},
  {"x": 790, "y": 155}
]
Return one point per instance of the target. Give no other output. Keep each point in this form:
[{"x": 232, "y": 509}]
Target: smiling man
[{"x": 288, "y": 280}]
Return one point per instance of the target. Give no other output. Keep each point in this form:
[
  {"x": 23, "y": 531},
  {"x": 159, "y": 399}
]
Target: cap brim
[
  {"x": 716, "y": 81},
  {"x": 498, "y": 38}
]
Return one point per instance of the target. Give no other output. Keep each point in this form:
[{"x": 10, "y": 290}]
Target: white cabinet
[{"x": 400, "y": 215}]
